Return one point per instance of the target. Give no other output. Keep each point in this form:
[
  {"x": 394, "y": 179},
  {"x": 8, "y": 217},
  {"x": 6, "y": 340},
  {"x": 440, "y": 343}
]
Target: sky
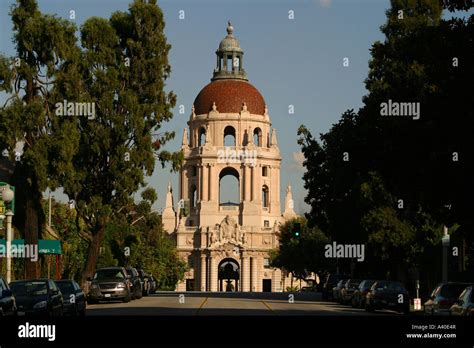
[{"x": 292, "y": 61}]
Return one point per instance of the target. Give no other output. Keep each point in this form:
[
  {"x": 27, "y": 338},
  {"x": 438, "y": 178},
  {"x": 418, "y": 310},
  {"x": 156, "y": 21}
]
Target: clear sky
[{"x": 291, "y": 61}]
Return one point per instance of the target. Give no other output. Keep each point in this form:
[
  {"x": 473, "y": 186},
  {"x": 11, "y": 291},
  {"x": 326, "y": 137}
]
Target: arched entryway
[{"x": 228, "y": 275}]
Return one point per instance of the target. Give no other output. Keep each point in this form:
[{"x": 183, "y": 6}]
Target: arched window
[
  {"x": 265, "y": 197},
  {"x": 193, "y": 196},
  {"x": 257, "y": 136},
  {"x": 229, "y": 187},
  {"x": 229, "y": 136},
  {"x": 202, "y": 136}
]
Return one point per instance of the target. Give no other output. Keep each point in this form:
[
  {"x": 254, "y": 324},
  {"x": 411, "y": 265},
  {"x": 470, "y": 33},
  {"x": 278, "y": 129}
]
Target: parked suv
[
  {"x": 443, "y": 297},
  {"x": 358, "y": 299},
  {"x": 329, "y": 284},
  {"x": 136, "y": 286},
  {"x": 464, "y": 305},
  {"x": 110, "y": 283},
  {"x": 7, "y": 300},
  {"x": 386, "y": 294},
  {"x": 348, "y": 290}
]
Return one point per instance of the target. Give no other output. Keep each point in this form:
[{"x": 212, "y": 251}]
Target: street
[{"x": 234, "y": 304}]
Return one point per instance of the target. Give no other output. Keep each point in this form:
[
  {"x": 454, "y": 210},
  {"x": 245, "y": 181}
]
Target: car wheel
[
  {"x": 92, "y": 301},
  {"x": 140, "y": 294},
  {"x": 127, "y": 298}
]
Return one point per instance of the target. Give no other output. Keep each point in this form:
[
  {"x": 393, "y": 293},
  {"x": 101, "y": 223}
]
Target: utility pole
[{"x": 445, "y": 243}]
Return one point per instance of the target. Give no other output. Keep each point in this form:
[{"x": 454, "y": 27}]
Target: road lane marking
[
  {"x": 270, "y": 308},
  {"x": 202, "y": 304}
]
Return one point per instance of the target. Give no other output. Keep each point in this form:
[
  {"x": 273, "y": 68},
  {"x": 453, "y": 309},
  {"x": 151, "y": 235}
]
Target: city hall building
[{"x": 227, "y": 244}]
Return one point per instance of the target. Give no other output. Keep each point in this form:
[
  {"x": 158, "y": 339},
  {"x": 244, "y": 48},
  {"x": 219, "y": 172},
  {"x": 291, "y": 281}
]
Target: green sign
[{"x": 44, "y": 246}]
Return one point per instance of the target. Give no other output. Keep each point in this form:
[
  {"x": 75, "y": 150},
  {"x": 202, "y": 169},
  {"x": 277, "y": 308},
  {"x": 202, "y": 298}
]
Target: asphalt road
[{"x": 201, "y": 304}]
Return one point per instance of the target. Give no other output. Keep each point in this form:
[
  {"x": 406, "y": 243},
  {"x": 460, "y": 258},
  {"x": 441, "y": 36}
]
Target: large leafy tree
[
  {"x": 123, "y": 70},
  {"x": 44, "y": 45},
  {"x": 423, "y": 59},
  {"x": 300, "y": 255}
]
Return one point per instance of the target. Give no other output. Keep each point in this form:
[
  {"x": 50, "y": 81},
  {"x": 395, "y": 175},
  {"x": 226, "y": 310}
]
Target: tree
[
  {"x": 122, "y": 71},
  {"x": 410, "y": 163},
  {"x": 301, "y": 254},
  {"x": 43, "y": 45}
]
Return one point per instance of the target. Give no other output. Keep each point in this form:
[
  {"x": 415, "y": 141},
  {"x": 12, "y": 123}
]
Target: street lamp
[
  {"x": 7, "y": 197},
  {"x": 445, "y": 243}
]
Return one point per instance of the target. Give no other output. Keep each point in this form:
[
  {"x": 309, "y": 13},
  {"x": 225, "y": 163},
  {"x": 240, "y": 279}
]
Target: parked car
[
  {"x": 74, "y": 298},
  {"x": 135, "y": 283},
  {"x": 386, "y": 294},
  {"x": 37, "y": 297},
  {"x": 308, "y": 289},
  {"x": 7, "y": 300},
  {"x": 348, "y": 290},
  {"x": 336, "y": 291},
  {"x": 464, "y": 305},
  {"x": 144, "y": 282},
  {"x": 358, "y": 299},
  {"x": 443, "y": 297},
  {"x": 153, "y": 283},
  {"x": 329, "y": 284},
  {"x": 110, "y": 283}
]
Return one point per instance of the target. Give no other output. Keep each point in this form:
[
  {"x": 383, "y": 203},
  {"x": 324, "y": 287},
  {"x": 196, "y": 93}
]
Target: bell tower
[{"x": 229, "y": 133}]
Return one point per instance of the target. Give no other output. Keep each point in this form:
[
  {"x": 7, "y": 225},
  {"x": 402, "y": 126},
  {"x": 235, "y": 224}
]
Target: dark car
[
  {"x": 329, "y": 284},
  {"x": 358, "y": 299},
  {"x": 336, "y": 291},
  {"x": 135, "y": 283},
  {"x": 443, "y": 297},
  {"x": 110, "y": 283},
  {"x": 152, "y": 285},
  {"x": 388, "y": 295},
  {"x": 144, "y": 282},
  {"x": 464, "y": 305},
  {"x": 348, "y": 290},
  {"x": 74, "y": 298},
  {"x": 37, "y": 297},
  {"x": 7, "y": 300}
]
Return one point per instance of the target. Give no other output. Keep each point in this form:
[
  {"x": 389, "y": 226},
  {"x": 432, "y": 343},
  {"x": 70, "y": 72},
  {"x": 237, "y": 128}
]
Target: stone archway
[{"x": 228, "y": 275}]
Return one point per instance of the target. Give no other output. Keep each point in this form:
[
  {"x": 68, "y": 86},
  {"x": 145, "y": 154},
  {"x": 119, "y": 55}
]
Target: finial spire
[{"x": 230, "y": 28}]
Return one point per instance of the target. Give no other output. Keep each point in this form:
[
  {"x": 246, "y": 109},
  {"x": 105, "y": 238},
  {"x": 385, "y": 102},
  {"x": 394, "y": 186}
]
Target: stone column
[
  {"x": 254, "y": 267},
  {"x": 233, "y": 59},
  {"x": 212, "y": 182},
  {"x": 199, "y": 183},
  {"x": 203, "y": 273},
  {"x": 245, "y": 274},
  {"x": 205, "y": 182},
  {"x": 247, "y": 182},
  {"x": 213, "y": 274}
]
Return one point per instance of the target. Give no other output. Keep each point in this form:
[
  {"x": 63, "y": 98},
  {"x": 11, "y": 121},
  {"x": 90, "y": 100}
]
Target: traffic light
[{"x": 296, "y": 229}]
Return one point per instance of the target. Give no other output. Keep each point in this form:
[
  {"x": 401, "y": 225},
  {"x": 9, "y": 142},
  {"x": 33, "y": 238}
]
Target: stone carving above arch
[{"x": 227, "y": 234}]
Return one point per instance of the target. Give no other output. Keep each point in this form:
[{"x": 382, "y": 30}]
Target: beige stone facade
[{"x": 229, "y": 132}]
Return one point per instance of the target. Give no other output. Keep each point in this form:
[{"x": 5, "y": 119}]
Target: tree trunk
[
  {"x": 93, "y": 255},
  {"x": 28, "y": 213}
]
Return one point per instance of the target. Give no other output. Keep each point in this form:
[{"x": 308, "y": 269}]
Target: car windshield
[
  {"x": 389, "y": 286},
  {"x": 452, "y": 290},
  {"x": 367, "y": 284},
  {"x": 108, "y": 273},
  {"x": 29, "y": 288},
  {"x": 65, "y": 287}
]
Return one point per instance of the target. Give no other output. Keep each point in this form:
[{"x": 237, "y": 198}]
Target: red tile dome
[{"x": 229, "y": 96}]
